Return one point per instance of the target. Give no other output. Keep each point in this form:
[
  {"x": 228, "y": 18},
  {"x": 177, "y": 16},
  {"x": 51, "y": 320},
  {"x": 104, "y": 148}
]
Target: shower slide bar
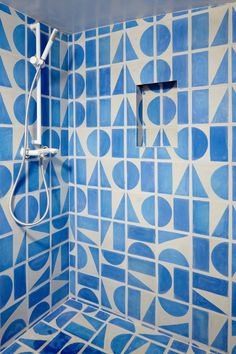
[{"x": 39, "y": 151}]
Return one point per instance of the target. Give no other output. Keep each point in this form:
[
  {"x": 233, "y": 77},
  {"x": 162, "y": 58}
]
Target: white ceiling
[{"x": 77, "y": 15}]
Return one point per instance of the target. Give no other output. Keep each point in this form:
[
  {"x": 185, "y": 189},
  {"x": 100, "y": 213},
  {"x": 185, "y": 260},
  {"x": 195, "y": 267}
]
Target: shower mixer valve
[{"x": 41, "y": 152}]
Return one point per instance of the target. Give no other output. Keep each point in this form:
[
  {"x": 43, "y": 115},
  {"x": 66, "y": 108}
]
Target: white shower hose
[{"x": 26, "y": 133}]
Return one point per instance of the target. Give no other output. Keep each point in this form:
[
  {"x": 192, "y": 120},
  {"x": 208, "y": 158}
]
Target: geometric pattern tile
[
  {"x": 154, "y": 179},
  {"x": 76, "y": 327},
  {"x": 34, "y": 266},
  {"x": 140, "y": 226}
]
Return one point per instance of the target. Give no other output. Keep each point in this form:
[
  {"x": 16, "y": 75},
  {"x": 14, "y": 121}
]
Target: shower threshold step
[{"x": 76, "y": 327}]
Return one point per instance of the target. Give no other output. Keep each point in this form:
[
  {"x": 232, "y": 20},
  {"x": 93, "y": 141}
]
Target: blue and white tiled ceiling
[{"x": 147, "y": 232}]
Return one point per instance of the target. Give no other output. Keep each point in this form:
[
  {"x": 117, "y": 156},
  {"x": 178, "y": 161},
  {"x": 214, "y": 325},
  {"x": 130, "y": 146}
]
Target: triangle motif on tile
[
  {"x": 94, "y": 177},
  {"x": 4, "y": 79},
  {"x": 132, "y": 216},
  {"x": 221, "y": 75},
  {"x": 148, "y": 153},
  {"x": 183, "y": 187},
  {"x": 4, "y": 44},
  {"x": 130, "y": 85},
  {"x": 104, "y": 228},
  {"x": 120, "y": 212},
  {"x": 222, "y": 228},
  {"x": 4, "y": 116},
  {"x": 150, "y": 313},
  {"x": 104, "y": 180},
  {"x": 22, "y": 251},
  {"x": 119, "y": 120},
  {"x": 130, "y": 52},
  {"x": 119, "y": 56},
  {"x": 119, "y": 88},
  {"x": 131, "y": 118},
  {"x": 221, "y": 115},
  {"x": 4, "y": 225},
  {"x": 198, "y": 189},
  {"x": 54, "y": 179},
  {"x": 220, "y": 342},
  {"x": 79, "y": 149},
  {"x": 222, "y": 33}
]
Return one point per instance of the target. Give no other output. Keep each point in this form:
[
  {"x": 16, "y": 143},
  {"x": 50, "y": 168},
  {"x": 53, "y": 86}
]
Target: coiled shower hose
[{"x": 25, "y": 147}]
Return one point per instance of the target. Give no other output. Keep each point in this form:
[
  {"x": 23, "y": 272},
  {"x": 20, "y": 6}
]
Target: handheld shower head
[{"x": 49, "y": 44}]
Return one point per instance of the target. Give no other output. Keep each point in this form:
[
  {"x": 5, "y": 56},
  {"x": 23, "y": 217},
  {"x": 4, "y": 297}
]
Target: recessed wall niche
[{"x": 157, "y": 114}]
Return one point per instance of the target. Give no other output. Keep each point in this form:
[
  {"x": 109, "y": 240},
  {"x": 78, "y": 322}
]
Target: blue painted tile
[
  {"x": 6, "y": 258},
  {"x": 81, "y": 171},
  {"x": 55, "y": 107},
  {"x": 117, "y": 143},
  {"x": 180, "y": 70},
  {"x": 181, "y": 284},
  {"x": 219, "y": 143},
  {"x": 200, "y": 326},
  {"x": 210, "y": 284},
  {"x": 201, "y": 254},
  {"x": 104, "y": 50},
  {"x": 91, "y": 113},
  {"x": 105, "y": 112},
  {"x": 200, "y": 106},
  {"x": 200, "y": 69},
  {"x": 180, "y": 35},
  {"x": 141, "y": 233},
  {"x": 147, "y": 177},
  {"x": 38, "y": 295},
  {"x": 200, "y": 31},
  {"x": 88, "y": 280},
  {"x": 93, "y": 201},
  {"x": 164, "y": 177},
  {"x": 181, "y": 214},
  {"x": 182, "y": 107},
  {"x": 112, "y": 272},
  {"x": 79, "y": 331},
  {"x": 104, "y": 81},
  {"x": 56, "y": 344},
  {"x": 19, "y": 281},
  {"x": 6, "y": 137},
  {"x": 91, "y": 83},
  {"x": 90, "y": 50},
  {"x": 55, "y": 83},
  {"x": 106, "y": 204},
  {"x": 201, "y": 217}
]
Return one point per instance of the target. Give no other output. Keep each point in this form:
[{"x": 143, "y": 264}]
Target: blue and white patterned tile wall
[
  {"x": 34, "y": 263},
  {"x": 154, "y": 229}
]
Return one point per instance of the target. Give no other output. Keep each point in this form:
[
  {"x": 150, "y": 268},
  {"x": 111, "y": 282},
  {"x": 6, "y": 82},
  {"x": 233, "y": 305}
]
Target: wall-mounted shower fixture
[
  {"x": 40, "y": 151},
  {"x": 38, "y": 60}
]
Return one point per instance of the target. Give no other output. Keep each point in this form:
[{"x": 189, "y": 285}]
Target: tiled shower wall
[
  {"x": 154, "y": 229},
  {"x": 34, "y": 263}
]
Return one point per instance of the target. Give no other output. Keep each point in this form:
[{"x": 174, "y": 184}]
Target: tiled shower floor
[{"x": 76, "y": 327}]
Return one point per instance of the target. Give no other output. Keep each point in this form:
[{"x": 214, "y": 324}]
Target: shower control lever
[{"x": 41, "y": 152}]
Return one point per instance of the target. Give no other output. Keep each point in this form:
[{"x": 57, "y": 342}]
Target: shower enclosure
[{"x": 131, "y": 228}]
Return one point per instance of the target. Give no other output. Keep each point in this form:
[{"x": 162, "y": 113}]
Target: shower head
[{"x": 49, "y": 44}]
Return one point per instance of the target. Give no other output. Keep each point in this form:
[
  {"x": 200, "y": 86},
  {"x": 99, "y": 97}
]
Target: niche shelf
[{"x": 157, "y": 114}]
